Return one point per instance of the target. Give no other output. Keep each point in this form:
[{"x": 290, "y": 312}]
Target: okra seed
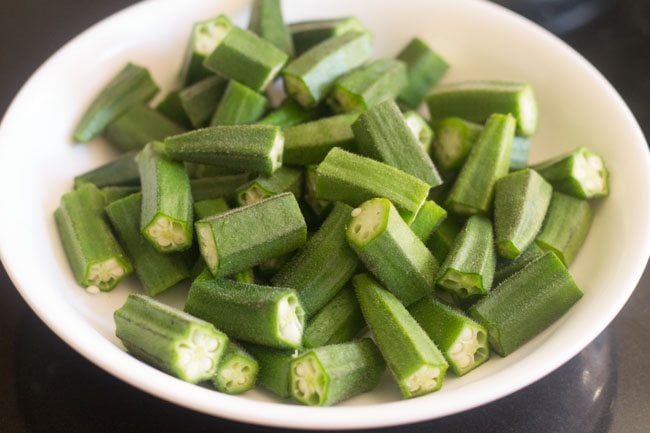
[
  {"x": 92, "y": 289},
  {"x": 595, "y": 162},
  {"x": 456, "y": 348},
  {"x": 424, "y": 379},
  {"x": 356, "y": 212},
  {"x": 467, "y": 335},
  {"x": 464, "y": 361}
]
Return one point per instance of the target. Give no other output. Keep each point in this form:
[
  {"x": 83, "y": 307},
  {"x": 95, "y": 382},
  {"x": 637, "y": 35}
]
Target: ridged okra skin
[
  {"x": 306, "y": 34},
  {"x": 167, "y": 214},
  {"x": 201, "y": 98},
  {"x": 132, "y": 85},
  {"x": 520, "y": 203},
  {"x": 172, "y": 108},
  {"x": 115, "y": 193},
  {"x": 275, "y": 368},
  {"x": 329, "y": 374},
  {"x": 454, "y": 138},
  {"x": 285, "y": 179},
  {"x": 420, "y": 129},
  {"x": 318, "y": 207},
  {"x": 424, "y": 69},
  {"x": 248, "y": 148},
  {"x": 289, "y": 113},
  {"x": 156, "y": 271},
  {"x": 525, "y": 304},
  {"x": 122, "y": 171},
  {"x": 267, "y": 22},
  {"x": 391, "y": 251},
  {"x": 488, "y": 161},
  {"x": 95, "y": 256},
  {"x": 442, "y": 239},
  {"x": 414, "y": 360},
  {"x": 323, "y": 266},
  {"x": 427, "y": 220},
  {"x": 211, "y": 187},
  {"x": 476, "y": 101},
  {"x": 237, "y": 371},
  {"x": 565, "y": 227},
  {"x": 505, "y": 268},
  {"x": 462, "y": 341},
  {"x": 239, "y": 105},
  {"x": 243, "y": 56},
  {"x": 247, "y": 236},
  {"x": 169, "y": 339},
  {"x": 382, "y": 134},
  {"x": 205, "y": 37},
  {"x": 209, "y": 207},
  {"x": 271, "y": 316},
  {"x": 353, "y": 179},
  {"x": 310, "y": 77}
]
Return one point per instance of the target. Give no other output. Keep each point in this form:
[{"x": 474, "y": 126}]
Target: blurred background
[{"x": 47, "y": 387}]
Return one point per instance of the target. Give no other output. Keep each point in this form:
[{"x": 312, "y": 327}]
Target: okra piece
[
  {"x": 213, "y": 187},
  {"x": 353, "y": 179},
  {"x": 206, "y": 35},
  {"x": 368, "y": 85},
  {"x": 156, "y": 271},
  {"x": 131, "y": 86},
  {"x": 239, "y": 105},
  {"x": 243, "y": 56},
  {"x": 169, "y": 339},
  {"x": 454, "y": 138},
  {"x": 285, "y": 179},
  {"x": 525, "y": 304},
  {"x": 275, "y": 368},
  {"x": 468, "y": 269},
  {"x": 138, "y": 126},
  {"x": 201, "y": 98},
  {"x": 382, "y": 134},
  {"x": 519, "y": 154},
  {"x": 520, "y": 203},
  {"x": 266, "y": 315},
  {"x": 122, "y": 171},
  {"x": 340, "y": 320},
  {"x": 414, "y": 360},
  {"x": 420, "y": 129},
  {"x": 209, "y": 207},
  {"x": 427, "y": 220},
  {"x": 172, "y": 108},
  {"x": 249, "y": 148},
  {"x": 327, "y": 375},
  {"x": 442, "y": 239},
  {"x": 309, "y": 143},
  {"x": 289, "y": 113},
  {"x": 321, "y": 269},
  {"x": 318, "y": 207},
  {"x": 267, "y": 22},
  {"x": 476, "y": 101},
  {"x": 580, "y": 173},
  {"x": 391, "y": 251},
  {"x": 506, "y": 268},
  {"x": 166, "y": 218},
  {"x": 488, "y": 161},
  {"x": 424, "y": 69},
  {"x": 247, "y": 276},
  {"x": 565, "y": 227},
  {"x": 115, "y": 193},
  {"x": 244, "y": 237},
  {"x": 307, "y": 34},
  {"x": 197, "y": 171},
  {"x": 310, "y": 77},
  {"x": 268, "y": 268},
  {"x": 96, "y": 258},
  {"x": 236, "y": 372}
]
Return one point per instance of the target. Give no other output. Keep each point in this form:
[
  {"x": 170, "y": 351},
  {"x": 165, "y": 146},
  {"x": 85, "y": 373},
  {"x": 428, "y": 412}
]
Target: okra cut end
[
  {"x": 309, "y": 381},
  {"x": 106, "y": 274},
  {"x": 590, "y": 174},
  {"x": 251, "y": 195},
  {"x": 291, "y": 320},
  {"x": 462, "y": 284},
  {"x": 368, "y": 221},
  {"x": 424, "y": 380},
  {"x": 207, "y": 35},
  {"x": 527, "y": 115},
  {"x": 167, "y": 234},
  {"x": 508, "y": 249},
  {"x": 236, "y": 375},
  {"x": 298, "y": 90},
  {"x": 207, "y": 246},
  {"x": 469, "y": 350},
  {"x": 197, "y": 355}
]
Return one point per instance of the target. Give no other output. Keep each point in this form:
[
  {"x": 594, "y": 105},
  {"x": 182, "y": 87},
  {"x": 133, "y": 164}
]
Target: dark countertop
[{"x": 47, "y": 387}]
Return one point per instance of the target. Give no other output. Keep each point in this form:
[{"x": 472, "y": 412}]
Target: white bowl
[{"x": 480, "y": 40}]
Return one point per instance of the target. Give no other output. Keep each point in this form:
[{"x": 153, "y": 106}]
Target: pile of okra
[{"x": 339, "y": 213}]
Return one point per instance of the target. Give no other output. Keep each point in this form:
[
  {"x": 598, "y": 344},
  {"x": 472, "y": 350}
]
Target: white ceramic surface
[{"x": 480, "y": 40}]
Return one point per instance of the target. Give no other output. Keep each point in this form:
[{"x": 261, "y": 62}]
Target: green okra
[
  {"x": 323, "y": 266},
  {"x": 156, "y": 271},
  {"x": 275, "y": 368},
  {"x": 318, "y": 207},
  {"x": 462, "y": 341},
  {"x": 454, "y": 138},
  {"x": 307, "y": 34},
  {"x": 205, "y": 37},
  {"x": 115, "y": 193},
  {"x": 273, "y": 315},
  {"x": 391, "y": 251},
  {"x": 486, "y": 163},
  {"x": 468, "y": 269},
  {"x": 310, "y": 77},
  {"x": 525, "y": 304},
  {"x": 96, "y": 258},
  {"x": 122, "y": 171},
  {"x": 172, "y": 108},
  {"x": 285, "y": 179},
  {"x": 239, "y": 105},
  {"x": 520, "y": 203},
  {"x": 382, "y": 134},
  {"x": 353, "y": 179},
  {"x": 244, "y": 237},
  {"x": 476, "y": 101},
  {"x": 166, "y": 218},
  {"x": 289, "y": 113},
  {"x": 425, "y": 68},
  {"x": 442, "y": 239},
  {"x": 519, "y": 153},
  {"x": 209, "y": 207},
  {"x": 329, "y": 374},
  {"x": 201, "y": 99},
  {"x": 340, "y": 320},
  {"x": 132, "y": 85},
  {"x": 247, "y": 276},
  {"x": 309, "y": 143},
  {"x": 268, "y": 268},
  {"x": 267, "y": 22},
  {"x": 169, "y": 339},
  {"x": 414, "y": 360},
  {"x": 236, "y": 372},
  {"x": 565, "y": 227},
  {"x": 420, "y": 129},
  {"x": 506, "y": 268},
  {"x": 138, "y": 126},
  {"x": 197, "y": 171},
  {"x": 243, "y": 56},
  {"x": 427, "y": 220},
  {"x": 213, "y": 187},
  {"x": 249, "y": 148},
  {"x": 580, "y": 173},
  {"x": 368, "y": 85}
]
